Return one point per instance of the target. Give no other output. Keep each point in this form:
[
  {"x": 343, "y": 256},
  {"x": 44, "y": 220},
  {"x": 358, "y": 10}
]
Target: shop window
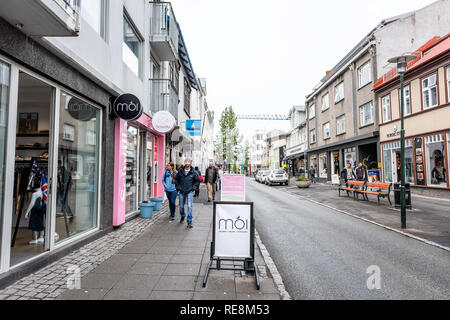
[
  {"x": 392, "y": 161},
  {"x": 131, "y": 47},
  {"x": 149, "y": 163},
  {"x": 93, "y": 12},
  {"x": 78, "y": 167},
  {"x": 366, "y": 114},
  {"x": 313, "y": 165},
  {"x": 435, "y": 153},
  {"x": 132, "y": 167},
  {"x": 387, "y": 165},
  {"x": 406, "y": 101},
  {"x": 323, "y": 170},
  {"x": 4, "y": 102},
  {"x": 386, "y": 107},
  {"x": 350, "y": 156},
  {"x": 429, "y": 92}
]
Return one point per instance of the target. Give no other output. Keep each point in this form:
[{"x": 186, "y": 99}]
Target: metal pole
[{"x": 402, "y": 154}]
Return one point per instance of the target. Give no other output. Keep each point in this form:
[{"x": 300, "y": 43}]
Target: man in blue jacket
[{"x": 186, "y": 182}]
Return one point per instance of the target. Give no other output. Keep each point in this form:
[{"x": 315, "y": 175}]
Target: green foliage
[
  {"x": 228, "y": 139},
  {"x": 302, "y": 178}
]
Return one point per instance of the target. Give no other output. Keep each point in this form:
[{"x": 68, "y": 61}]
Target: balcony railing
[
  {"x": 164, "y": 31},
  {"x": 164, "y": 97}
]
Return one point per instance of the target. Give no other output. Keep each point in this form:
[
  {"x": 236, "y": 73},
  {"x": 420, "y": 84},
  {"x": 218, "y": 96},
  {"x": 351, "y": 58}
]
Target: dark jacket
[
  {"x": 344, "y": 174},
  {"x": 360, "y": 173},
  {"x": 215, "y": 175},
  {"x": 186, "y": 183}
]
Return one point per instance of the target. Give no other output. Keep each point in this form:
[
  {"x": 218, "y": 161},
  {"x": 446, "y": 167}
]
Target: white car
[
  {"x": 278, "y": 176},
  {"x": 262, "y": 176}
]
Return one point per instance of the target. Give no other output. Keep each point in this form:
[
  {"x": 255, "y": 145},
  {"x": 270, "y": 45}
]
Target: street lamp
[{"x": 402, "y": 63}]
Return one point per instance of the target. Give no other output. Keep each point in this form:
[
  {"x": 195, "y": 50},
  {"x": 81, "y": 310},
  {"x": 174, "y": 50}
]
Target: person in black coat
[
  {"x": 186, "y": 182},
  {"x": 360, "y": 173}
]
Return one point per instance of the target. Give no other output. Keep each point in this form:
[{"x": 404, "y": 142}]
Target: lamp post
[{"x": 402, "y": 62}]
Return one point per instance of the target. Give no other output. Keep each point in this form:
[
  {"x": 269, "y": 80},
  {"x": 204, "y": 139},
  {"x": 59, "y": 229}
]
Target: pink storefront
[{"x": 138, "y": 166}]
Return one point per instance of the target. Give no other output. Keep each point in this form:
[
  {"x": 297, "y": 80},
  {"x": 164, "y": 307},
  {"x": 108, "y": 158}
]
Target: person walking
[
  {"x": 360, "y": 173},
  {"x": 211, "y": 177},
  {"x": 347, "y": 173},
  {"x": 186, "y": 182},
  {"x": 312, "y": 174},
  {"x": 220, "y": 177},
  {"x": 170, "y": 189},
  {"x": 199, "y": 174}
]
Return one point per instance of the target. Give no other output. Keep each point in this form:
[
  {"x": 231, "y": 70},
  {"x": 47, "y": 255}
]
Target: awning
[
  {"x": 294, "y": 156},
  {"x": 186, "y": 61}
]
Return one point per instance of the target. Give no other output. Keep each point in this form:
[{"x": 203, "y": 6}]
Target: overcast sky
[{"x": 262, "y": 56}]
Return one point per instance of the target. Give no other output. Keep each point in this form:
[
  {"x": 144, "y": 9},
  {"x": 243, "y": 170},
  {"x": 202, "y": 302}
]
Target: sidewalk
[
  {"x": 429, "y": 219},
  {"x": 168, "y": 262}
]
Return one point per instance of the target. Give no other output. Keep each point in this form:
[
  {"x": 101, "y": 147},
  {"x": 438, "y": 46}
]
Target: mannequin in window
[
  {"x": 36, "y": 214},
  {"x": 438, "y": 173},
  {"x": 64, "y": 185}
]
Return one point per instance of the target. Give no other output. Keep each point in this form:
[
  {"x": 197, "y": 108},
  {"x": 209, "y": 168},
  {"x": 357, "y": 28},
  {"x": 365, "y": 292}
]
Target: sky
[{"x": 262, "y": 56}]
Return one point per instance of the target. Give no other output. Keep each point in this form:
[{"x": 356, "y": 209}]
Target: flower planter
[
  {"x": 146, "y": 209},
  {"x": 158, "y": 203},
  {"x": 303, "y": 184}
]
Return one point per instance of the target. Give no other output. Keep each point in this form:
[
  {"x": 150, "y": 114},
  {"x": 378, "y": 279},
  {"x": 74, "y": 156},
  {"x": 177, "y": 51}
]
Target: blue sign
[{"x": 194, "y": 127}]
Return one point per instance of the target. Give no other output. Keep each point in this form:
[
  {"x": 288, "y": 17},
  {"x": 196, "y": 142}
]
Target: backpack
[{"x": 200, "y": 178}]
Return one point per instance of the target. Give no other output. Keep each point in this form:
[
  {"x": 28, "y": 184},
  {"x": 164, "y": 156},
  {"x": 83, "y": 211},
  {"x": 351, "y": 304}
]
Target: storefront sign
[
  {"x": 233, "y": 187},
  {"x": 194, "y": 127},
  {"x": 80, "y": 110},
  {"x": 420, "y": 171},
  {"x": 164, "y": 122},
  {"x": 374, "y": 175},
  {"x": 335, "y": 179},
  {"x": 395, "y": 133},
  {"x": 233, "y": 230},
  {"x": 127, "y": 107}
]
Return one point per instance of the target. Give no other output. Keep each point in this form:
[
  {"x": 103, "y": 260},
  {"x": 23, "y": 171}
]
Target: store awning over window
[{"x": 186, "y": 61}]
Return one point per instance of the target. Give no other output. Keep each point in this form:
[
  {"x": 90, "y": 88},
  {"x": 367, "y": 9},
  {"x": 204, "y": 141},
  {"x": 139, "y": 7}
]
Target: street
[{"x": 324, "y": 254}]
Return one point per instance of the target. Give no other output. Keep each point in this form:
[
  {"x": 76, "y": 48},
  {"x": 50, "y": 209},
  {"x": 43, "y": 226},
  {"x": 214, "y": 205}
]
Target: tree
[{"x": 228, "y": 139}]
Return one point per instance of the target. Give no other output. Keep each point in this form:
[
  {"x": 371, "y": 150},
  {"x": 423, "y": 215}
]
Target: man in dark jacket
[
  {"x": 211, "y": 177},
  {"x": 360, "y": 173},
  {"x": 186, "y": 182}
]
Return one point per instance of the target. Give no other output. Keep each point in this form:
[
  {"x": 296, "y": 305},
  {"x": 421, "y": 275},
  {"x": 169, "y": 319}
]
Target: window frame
[
  {"x": 383, "y": 111},
  {"x": 340, "y": 118},
  {"x": 361, "y": 125},
  {"x": 312, "y": 107},
  {"x": 187, "y": 97},
  {"x": 311, "y": 141},
  {"x": 367, "y": 64},
  {"x": 429, "y": 89},
  {"x": 408, "y": 86},
  {"x": 103, "y": 18},
  {"x": 327, "y": 95},
  {"x": 325, "y": 137},
  {"x": 337, "y": 98},
  {"x": 127, "y": 18}
]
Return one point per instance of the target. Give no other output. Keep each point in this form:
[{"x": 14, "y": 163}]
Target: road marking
[
  {"x": 370, "y": 221},
  {"x": 364, "y": 219}
]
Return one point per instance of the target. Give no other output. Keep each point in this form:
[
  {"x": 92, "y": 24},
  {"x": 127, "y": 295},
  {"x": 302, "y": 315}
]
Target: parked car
[
  {"x": 262, "y": 176},
  {"x": 278, "y": 176},
  {"x": 257, "y": 173}
]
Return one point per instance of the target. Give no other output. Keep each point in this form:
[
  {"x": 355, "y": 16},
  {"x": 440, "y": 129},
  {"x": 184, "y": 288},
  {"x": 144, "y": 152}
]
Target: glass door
[{"x": 149, "y": 166}]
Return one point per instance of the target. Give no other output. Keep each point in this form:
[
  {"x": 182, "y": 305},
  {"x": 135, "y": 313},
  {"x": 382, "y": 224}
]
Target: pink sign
[
  {"x": 233, "y": 188},
  {"x": 120, "y": 172}
]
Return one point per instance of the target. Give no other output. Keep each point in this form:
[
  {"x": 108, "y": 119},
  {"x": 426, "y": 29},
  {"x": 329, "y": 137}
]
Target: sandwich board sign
[{"x": 233, "y": 188}]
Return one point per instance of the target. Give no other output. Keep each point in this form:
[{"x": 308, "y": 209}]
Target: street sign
[
  {"x": 233, "y": 187},
  {"x": 194, "y": 127}
]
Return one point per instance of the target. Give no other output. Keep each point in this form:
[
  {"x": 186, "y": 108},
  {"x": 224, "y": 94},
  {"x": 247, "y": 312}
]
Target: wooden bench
[
  {"x": 384, "y": 190},
  {"x": 351, "y": 186}
]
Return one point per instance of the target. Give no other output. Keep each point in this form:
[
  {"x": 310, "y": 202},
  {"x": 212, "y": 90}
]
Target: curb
[
  {"x": 409, "y": 235},
  {"x": 272, "y": 269}
]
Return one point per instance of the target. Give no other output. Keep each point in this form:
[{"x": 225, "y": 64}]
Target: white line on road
[{"x": 370, "y": 221}]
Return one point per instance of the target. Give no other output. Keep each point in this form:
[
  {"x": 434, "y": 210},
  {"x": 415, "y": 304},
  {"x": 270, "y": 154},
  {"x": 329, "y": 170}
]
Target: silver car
[{"x": 278, "y": 176}]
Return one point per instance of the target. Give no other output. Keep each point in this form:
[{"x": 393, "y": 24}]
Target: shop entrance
[{"x": 30, "y": 222}]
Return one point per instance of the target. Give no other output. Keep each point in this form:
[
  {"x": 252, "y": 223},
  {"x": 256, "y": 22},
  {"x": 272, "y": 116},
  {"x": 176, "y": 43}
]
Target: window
[
  {"x": 174, "y": 75},
  {"x": 448, "y": 84},
  {"x": 132, "y": 167},
  {"x": 68, "y": 132},
  {"x": 4, "y": 106},
  {"x": 312, "y": 111},
  {"x": 406, "y": 101},
  {"x": 325, "y": 102},
  {"x": 131, "y": 47},
  {"x": 429, "y": 92},
  {"x": 326, "y": 131},
  {"x": 312, "y": 134},
  {"x": 435, "y": 152},
  {"x": 187, "y": 97},
  {"x": 91, "y": 139},
  {"x": 386, "y": 108},
  {"x": 364, "y": 74},
  {"x": 366, "y": 114},
  {"x": 350, "y": 156},
  {"x": 339, "y": 92},
  {"x": 391, "y": 164},
  {"x": 323, "y": 170},
  {"x": 340, "y": 125},
  {"x": 93, "y": 12}
]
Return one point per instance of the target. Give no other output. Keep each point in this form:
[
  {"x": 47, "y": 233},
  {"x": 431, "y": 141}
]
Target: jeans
[
  {"x": 172, "y": 197},
  {"x": 190, "y": 199}
]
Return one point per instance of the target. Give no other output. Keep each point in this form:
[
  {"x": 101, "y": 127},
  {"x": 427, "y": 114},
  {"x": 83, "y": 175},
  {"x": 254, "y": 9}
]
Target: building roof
[{"x": 434, "y": 48}]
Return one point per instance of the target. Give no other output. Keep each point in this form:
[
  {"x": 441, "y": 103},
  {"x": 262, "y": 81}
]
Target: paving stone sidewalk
[
  {"x": 429, "y": 218},
  {"x": 168, "y": 262}
]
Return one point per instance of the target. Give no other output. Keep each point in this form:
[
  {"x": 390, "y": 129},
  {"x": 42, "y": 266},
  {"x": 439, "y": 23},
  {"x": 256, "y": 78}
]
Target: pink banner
[
  {"x": 233, "y": 188},
  {"x": 120, "y": 172}
]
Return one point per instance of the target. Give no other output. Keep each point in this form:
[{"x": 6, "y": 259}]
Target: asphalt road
[{"x": 324, "y": 254}]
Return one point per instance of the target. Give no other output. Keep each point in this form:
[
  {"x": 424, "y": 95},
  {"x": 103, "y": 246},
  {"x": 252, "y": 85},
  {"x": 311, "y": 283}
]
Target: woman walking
[{"x": 169, "y": 187}]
